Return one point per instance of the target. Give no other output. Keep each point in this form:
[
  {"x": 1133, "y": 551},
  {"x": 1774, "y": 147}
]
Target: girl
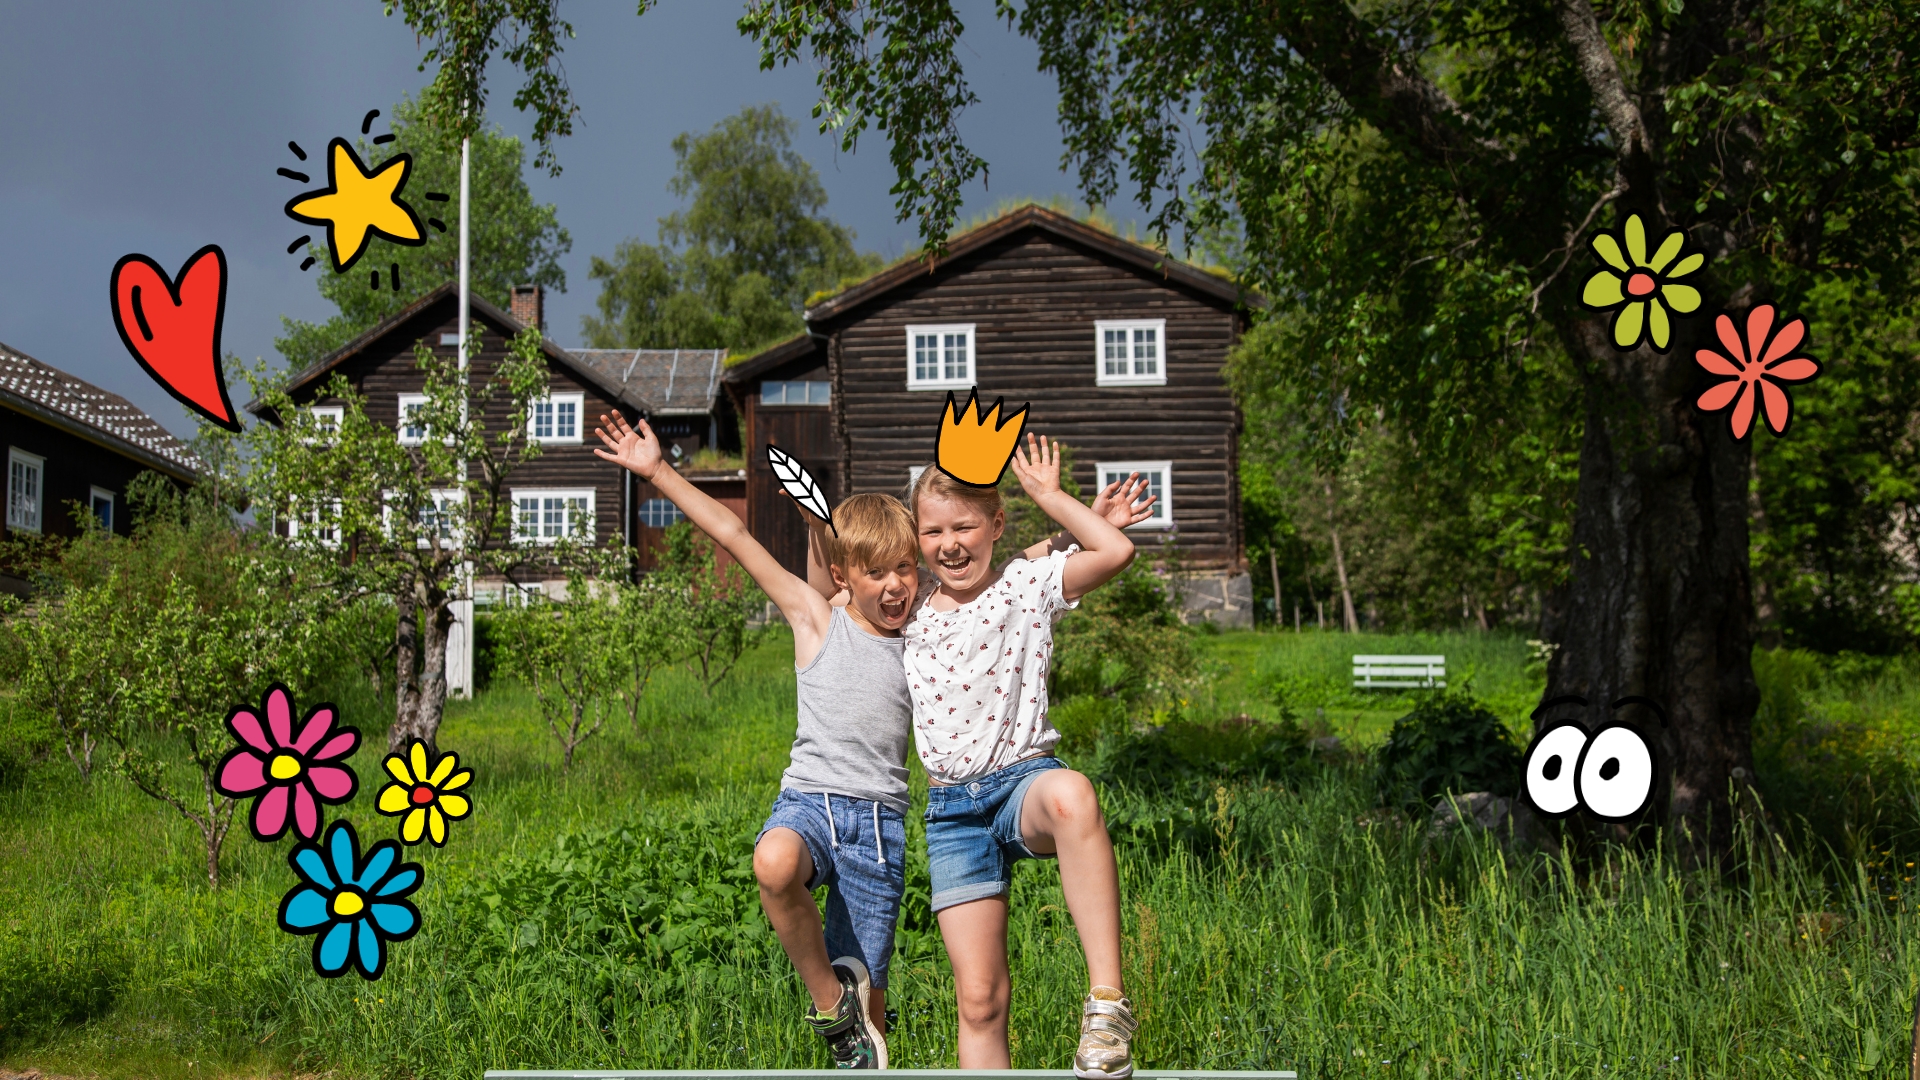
[{"x": 977, "y": 653}]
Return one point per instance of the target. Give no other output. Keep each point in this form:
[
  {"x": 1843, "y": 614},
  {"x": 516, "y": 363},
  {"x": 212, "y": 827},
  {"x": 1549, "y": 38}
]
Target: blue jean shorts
[
  {"x": 973, "y": 832},
  {"x": 859, "y": 852}
]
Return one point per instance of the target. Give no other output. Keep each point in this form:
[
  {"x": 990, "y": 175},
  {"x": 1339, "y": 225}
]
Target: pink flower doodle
[
  {"x": 282, "y": 768},
  {"x": 1757, "y": 371}
]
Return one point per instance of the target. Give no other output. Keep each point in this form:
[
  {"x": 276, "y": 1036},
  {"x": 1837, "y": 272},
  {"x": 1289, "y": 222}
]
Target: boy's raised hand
[
  {"x": 1037, "y": 466},
  {"x": 634, "y": 448}
]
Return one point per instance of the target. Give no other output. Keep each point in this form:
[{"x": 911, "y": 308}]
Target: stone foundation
[{"x": 1217, "y": 596}]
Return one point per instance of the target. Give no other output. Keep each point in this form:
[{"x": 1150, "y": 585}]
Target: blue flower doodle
[{"x": 354, "y": 907}]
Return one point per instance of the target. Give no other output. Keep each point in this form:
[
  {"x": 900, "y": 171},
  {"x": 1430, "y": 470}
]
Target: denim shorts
[
  {"x": 865, "y": 879},
  {"x": 973, "y": 832}
]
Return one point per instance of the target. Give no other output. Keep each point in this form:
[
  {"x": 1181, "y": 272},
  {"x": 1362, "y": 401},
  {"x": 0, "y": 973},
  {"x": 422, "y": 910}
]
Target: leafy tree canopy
[
  {"x": 735, "y": 267},
  {"x": 516, "y": 241}
]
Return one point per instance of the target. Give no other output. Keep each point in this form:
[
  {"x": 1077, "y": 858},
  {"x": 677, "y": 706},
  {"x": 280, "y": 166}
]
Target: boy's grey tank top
[{"x": 855, "y": 718}]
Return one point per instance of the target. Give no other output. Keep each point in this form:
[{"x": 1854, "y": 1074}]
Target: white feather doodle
[{"x": 800, "y": 484}]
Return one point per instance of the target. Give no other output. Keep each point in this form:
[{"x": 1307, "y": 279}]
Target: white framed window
[
  {"x": 1132, "y": 352},
  {"x": 413, "y": 431},
  {"x": 26, "y": 479},
  {"x": 100, "y": 501},
  {"x": 555, "y": 418},
  {"x": 1159, "y": 478},
  {"x": 544, "y": 515},
  {"x": 440, "y": 516},
  {"x": 796, "y": 392},
  {"x": 940, "y": 357},
  {"x": 316, "y": 523},
  {"x": 660, "y": 513},
  {"x": 326, "y": 421}
]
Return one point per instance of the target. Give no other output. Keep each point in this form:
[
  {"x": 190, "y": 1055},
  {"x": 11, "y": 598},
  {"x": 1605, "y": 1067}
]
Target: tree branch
[{"x": 1633, "y": 149}]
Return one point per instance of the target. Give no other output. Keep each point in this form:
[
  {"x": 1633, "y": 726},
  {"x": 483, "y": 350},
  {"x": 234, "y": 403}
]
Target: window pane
[
  {"x": 1146, "y": 351},
  {"x": 566, "y": 420},
  {"x": 926, "y": 356},
  {"x": 103, "y": 511},
  {"x": 543, "y": 419},
  {"x": 772, "y": 392},
  {"x": 820, "y": 392},
  {"x": 1114, "y": 352},
  {"x": 23, "y": 495},
  {"x": 526, "y": 518},
  {"x": 956, "y": 357}
]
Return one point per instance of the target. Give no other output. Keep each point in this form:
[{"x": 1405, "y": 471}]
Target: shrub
[
  {"x": 1195, "y": 754},
  {"x": 1449, "y": 743},
  {"x": 1126, "y": 642},
  {"x": 44, "y": 986}
]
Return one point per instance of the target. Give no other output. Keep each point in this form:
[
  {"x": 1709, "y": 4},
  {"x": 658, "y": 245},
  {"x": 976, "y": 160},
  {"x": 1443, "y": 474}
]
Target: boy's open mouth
[{"x": 894, "y": 609}]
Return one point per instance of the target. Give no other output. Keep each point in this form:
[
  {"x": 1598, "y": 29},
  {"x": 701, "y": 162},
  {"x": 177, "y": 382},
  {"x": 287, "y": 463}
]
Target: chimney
[{"x": 528, "y": 306}]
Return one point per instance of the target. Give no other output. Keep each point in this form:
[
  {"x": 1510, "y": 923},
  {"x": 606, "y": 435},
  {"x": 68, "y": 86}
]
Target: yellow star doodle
[{"x": 356, "y": 202}]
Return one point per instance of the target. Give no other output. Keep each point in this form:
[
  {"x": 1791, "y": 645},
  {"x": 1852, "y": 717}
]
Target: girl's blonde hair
[{"x": 934, "y": 482}]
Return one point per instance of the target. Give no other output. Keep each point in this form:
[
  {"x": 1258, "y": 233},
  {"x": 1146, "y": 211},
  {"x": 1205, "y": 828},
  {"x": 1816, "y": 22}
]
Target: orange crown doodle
[{"x": 971, "y": 451}]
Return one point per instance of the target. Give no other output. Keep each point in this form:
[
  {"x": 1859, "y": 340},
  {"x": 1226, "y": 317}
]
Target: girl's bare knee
[{"x": 983, "y": 1004}]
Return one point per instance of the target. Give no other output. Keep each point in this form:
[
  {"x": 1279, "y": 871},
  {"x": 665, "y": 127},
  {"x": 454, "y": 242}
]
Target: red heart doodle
[{"x": 172, "y": 327}]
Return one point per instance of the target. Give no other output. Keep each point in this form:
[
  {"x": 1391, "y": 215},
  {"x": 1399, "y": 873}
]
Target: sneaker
[
  {"x": 1106, "y": 1032},
  {"x": 849, "y": 1033}
]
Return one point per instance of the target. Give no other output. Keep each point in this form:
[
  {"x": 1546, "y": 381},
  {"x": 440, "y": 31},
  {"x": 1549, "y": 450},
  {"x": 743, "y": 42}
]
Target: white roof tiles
[{"x": 48, "y": 390}]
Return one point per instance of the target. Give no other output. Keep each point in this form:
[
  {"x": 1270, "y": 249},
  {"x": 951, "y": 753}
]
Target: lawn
[{"x": 607, "y": 918}]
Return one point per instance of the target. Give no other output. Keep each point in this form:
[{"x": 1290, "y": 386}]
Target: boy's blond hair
[
  {"x": 875, "y": 531},
  {"x": 933, "y": 482}
]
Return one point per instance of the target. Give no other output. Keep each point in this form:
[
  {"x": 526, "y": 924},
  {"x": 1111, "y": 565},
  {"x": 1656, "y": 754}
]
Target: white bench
[{"x": 1399, "y": 672}]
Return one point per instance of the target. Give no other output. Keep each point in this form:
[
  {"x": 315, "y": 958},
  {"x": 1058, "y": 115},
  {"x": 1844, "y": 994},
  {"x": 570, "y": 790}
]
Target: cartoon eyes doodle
[{"x": 1609, "y": 772}]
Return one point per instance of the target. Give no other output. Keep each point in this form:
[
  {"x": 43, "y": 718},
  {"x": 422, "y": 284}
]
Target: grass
[{"x": 606, "y": 919}]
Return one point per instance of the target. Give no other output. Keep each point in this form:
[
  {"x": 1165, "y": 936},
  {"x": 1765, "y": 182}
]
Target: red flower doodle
[{"x": 1756, "y": 371}]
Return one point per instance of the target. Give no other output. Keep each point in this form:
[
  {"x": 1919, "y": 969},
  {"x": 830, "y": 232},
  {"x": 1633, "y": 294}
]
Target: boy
[{"x": 840, "y": 817}]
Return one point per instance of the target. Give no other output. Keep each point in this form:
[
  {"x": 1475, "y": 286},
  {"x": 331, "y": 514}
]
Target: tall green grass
[{"x": 604, "y": 919}]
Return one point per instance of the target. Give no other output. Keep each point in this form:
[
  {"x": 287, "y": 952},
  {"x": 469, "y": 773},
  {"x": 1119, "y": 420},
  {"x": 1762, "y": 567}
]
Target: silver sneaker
[{"x": 1106, "y": 1032}]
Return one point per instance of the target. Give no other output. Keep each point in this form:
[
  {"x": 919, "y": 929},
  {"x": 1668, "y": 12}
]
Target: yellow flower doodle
[{"x": 425, "y": 793}]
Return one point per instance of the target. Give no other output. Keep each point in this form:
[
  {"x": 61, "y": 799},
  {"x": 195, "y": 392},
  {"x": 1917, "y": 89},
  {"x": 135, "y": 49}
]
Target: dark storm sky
[{"x": 156, "y": 128}]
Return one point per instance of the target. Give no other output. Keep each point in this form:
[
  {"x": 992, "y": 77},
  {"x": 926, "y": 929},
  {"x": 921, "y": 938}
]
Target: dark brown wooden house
[
  {"x": 72, "y": 446},
  {"x": 566, "y": 490},
  {"x": 1118, "y": 348}
]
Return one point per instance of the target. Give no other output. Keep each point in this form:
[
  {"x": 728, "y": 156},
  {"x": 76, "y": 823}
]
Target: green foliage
[
  {"x": 515, "y": 240},
  {"x": 1126, "y": 643},
  {"x": 463, "y": 37},
  {"x": 714, "y": 604},
  {"x": 911, "y": 87},
  {"x": 566, "y": 652},
  {"x": 1267, "y": 925},
  {"x": 613, "y": 891},
  {"x": 45, "y": 987},
  {"x": 1836, "y": 501},
  {"x": 1449, "y": 743},
  {"x": 734, "y": 268},
  {"x": 1199, "y": 755},
  {"x": 147, "y": 642},
  {"x": 421, "y": 519}
]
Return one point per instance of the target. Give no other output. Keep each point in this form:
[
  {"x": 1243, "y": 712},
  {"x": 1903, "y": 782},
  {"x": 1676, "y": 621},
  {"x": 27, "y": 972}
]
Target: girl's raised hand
[
  {"x": 634, "y": 448},
  {"x": 1117, "y": 502},
  {"x": 1037, "y": 465}
]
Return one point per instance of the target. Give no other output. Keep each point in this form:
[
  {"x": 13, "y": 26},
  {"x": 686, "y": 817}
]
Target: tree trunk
[
  {"x": 1340, "y": 567},
  {"x": 1658, "y": 603},
  {"x": 434, "y": 618},
  {"x": 406, "y": 664},
  {"x": 1273, "y": 566}
]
